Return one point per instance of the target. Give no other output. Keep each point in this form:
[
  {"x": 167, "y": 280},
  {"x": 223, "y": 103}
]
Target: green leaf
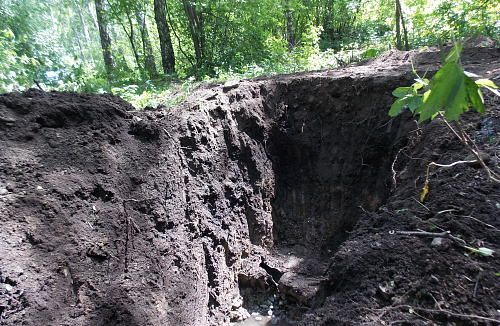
[
  {"x": 397, "y": 107},
  {"x": 414, "y": 102},
  {"x": 410, "y": 101},
  {"x": 475, "y": 96},
  {"x": 481, "y": 251},
  {"x": 471, "y": 74},
  {"x": 453, "y": 90},
  {"x": 454, "y": 53},
  {"x": 486, "y": 83},
  {"x": 402, "y": 91},
  {"x": 423, "y": 81}
]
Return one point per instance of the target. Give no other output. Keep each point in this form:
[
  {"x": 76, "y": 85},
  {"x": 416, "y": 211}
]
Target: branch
[
  {"x": 446, "y": 312},
  {"x": 37, "y": 84},
  {"x": 463, "y": 139},
  {"x": 446, "y": 234}
]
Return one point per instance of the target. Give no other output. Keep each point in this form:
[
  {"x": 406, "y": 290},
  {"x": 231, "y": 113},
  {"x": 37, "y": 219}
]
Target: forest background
[{"x": 153, "y": 52}]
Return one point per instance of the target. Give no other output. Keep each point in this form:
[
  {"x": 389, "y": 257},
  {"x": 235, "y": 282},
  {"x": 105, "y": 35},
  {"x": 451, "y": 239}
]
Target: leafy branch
[{"x": 451, "y": 92}]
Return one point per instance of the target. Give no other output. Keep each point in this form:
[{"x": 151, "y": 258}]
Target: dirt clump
[{"x": 278, "y": 197}]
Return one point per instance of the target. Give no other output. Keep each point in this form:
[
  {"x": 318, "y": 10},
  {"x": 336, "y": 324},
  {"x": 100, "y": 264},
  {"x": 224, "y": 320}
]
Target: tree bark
[
  {"x": 131, "y": 38},
  {"x": 167, "y": 50},
  {"x": 149, "y": 59},
  {"x": 85, "y": 30},
  {"x": 109, "y": 61},
  {"x": 405, "y": 32},
  {"x": 398, "y": 28},
  {"x": 77, "y": 37},
  {"x": 196, "y": 29},
  {"x": 290, "y": 37}
]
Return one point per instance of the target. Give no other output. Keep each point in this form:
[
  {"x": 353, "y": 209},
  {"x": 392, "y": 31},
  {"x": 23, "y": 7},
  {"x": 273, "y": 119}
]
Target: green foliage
[
  {"x": 15, "y": 71},
  {"x": 451, "y": 90},
  {"x": 241, "y": 39}
]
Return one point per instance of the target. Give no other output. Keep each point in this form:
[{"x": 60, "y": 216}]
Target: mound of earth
[{"x": 280, "y": 198}]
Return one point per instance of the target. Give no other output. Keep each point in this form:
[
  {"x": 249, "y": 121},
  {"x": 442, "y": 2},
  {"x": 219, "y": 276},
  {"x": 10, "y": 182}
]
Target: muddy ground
[{"x": 278, "y": 197}]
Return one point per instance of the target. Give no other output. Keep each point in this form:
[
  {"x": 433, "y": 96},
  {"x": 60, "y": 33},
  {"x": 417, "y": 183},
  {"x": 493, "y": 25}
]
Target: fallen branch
[
  {"x": 38, "y": 84},
  {"x": 478, "y": 220},
  {"x": 431, "y": 311},
  {"x": 446, "y": 234}
]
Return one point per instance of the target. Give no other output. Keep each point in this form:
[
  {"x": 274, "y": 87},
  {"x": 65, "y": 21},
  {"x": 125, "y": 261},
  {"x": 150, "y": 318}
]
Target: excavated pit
[
  {"x": 314, "y": 154},
  {"x": 233, "y": 203},
  {"x": 244, "y": 192}
]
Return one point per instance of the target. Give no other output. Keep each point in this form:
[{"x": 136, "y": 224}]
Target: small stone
[
  {"x": 386, "y": 291},
  {"x": 3, "y": 191},
  {"x": 269, "y": 312},
  {"x": 436, "y": 242},
  {"x": 258, "y": 318}
]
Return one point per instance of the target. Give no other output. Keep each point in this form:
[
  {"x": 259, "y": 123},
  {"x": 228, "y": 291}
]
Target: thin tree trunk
[
  {"x": 121, "y": 60},
  {"x": 290, "y": 37},
  {"x": 405, "y": 32},
  {"x": 398, "y": 28},
  {"x": 109, "y": 61},
  {"x": 149, "y": 59},
  {"x": 196, "y": 29},
  {"x": 188, "y": 58},
  {"x": 85, "y": 30},
  {"x": 167, "y": 50},
  {"x": 77, "y": 36},
  {"x": 52, "y": 19},
  {"x": 92, "y": 13},
  {"x": 131, "y": 38}
]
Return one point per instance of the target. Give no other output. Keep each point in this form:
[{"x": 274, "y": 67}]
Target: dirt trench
[{"x": 243, "y": 199}]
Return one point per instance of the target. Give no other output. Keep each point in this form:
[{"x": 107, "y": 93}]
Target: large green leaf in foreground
[{"x": 452, "y": 90}]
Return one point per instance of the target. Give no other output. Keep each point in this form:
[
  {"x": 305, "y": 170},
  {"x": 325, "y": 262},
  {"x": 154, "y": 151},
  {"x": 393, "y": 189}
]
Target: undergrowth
[{"x": 169, "y": 90}]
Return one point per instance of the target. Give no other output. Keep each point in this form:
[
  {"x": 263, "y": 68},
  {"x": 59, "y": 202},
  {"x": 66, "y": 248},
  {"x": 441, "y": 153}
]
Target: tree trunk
[
  {"x": 109, "y": 62},
  {"x": 407, "y": 45},
  {"x": 196, "y": 29},
  {"x": 77, "y": 37},
  {"x": 290, "y": 37},
  {"x": 167, "y": 50},
  {"x": 85, "y": 30},
  {"x": 131, "y": 38},
  {"x": 398, "y": 28},
  {"x": 92, "y": 13},
  {"x": 149, "y": 59}
]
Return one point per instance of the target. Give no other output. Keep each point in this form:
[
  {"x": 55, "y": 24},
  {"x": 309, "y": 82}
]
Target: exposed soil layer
[{"x": 278, "y": 196}]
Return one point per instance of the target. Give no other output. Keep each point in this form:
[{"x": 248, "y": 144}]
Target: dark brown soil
[{"x": 275, "y": 196}]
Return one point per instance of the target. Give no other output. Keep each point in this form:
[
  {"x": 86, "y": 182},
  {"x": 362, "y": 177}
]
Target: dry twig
[{"x": 446, "y": 234}]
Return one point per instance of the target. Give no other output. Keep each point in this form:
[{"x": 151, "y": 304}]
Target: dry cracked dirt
[{"x": 277, "y": 197}]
